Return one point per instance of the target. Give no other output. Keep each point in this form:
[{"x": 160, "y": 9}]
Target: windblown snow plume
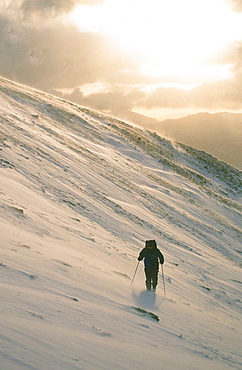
[{"x": 80, "y": 194}]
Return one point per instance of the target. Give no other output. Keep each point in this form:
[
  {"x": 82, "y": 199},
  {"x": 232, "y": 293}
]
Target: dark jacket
[{"x": 151, "y": 257}]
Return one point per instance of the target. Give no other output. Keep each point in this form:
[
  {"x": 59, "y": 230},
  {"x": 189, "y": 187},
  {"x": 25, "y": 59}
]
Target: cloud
[
  {"x": 220, "y": 95},
  {"x": 113, "y": 102},
  {"x": 55, "y": 54},
  {"x": 237, "y": 5},
  {"x": 164, "y": 97},
  {"x": 136, "y": 78},
  {"x": 39, "y": 48},
  {"x": 52, "y": 7},
  {"x": 225, "y": 94}
]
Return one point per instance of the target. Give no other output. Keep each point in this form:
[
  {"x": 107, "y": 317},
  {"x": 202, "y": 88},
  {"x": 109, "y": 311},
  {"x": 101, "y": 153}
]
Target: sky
[{"x": 163, "y": 59}]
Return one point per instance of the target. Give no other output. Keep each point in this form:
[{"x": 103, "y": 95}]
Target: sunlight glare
[{"x": 169, "y": 37}]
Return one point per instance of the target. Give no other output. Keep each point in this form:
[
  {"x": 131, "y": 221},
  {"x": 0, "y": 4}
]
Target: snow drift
[{"x": 80, "y": 194}]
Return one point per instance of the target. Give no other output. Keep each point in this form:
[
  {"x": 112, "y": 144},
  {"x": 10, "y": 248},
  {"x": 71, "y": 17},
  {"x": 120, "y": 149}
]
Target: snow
[{"x": 80, "y": 194}]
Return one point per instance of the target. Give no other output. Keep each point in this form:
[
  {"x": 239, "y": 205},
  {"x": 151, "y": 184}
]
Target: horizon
[{"x": 161, "y": 60}]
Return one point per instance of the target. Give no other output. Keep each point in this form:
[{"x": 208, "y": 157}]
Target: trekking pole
[
  {"x": 163, "y": 280},
  {"x": 135, "y": 272}
]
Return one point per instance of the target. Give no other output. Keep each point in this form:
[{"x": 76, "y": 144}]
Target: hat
[{"x": 150, "y": 243}]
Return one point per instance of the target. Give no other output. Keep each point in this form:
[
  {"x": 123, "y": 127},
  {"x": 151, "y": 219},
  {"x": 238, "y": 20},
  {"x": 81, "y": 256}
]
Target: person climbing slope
[{"x": 152, "y": 256}]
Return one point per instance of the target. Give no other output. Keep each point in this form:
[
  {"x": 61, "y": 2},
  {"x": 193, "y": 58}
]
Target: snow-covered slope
[{"x": 80, "y": 194}]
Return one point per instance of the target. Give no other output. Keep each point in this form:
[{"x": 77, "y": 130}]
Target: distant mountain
[{"x": 219, "y": 134}]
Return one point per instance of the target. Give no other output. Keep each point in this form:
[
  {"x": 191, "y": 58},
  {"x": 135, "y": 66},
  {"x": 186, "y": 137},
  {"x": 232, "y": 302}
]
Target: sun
[{"x": 173, "y": 38}]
